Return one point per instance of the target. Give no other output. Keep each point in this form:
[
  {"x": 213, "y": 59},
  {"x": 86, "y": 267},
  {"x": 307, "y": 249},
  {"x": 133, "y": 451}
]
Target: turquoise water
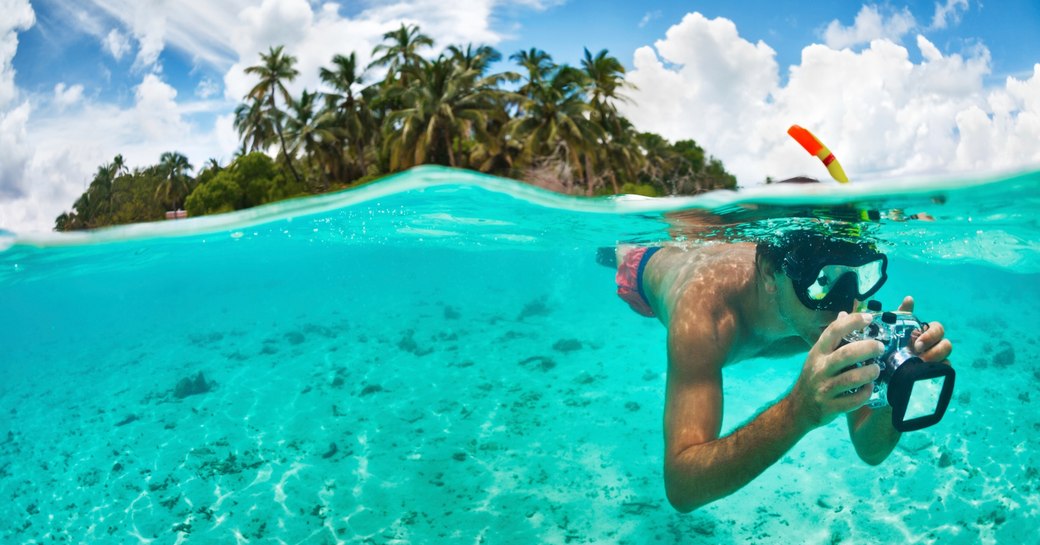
[{"x": 438, "y": 358}]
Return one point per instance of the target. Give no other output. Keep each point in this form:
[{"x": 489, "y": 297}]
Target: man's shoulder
[
  {"x": 716, "y": 284},
  {"x": 713, "y": 265},
  {"x": 706, "y": 315},
  {"x": 703, "y": 320}
]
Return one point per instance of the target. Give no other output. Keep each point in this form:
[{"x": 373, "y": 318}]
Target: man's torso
[{"x": 717, "y": 283}]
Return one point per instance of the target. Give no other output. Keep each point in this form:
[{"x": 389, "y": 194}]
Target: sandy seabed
[{"x": 443, "y": 422}]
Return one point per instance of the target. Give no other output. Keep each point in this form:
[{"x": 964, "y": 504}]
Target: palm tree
[
  {"x": 539, "y": 66},
  {"x": 659, "y": 159},
  {"x": 448, "y": 104},
  {"x": 276, "y": 69},
  {"x": 556, "y": 120},
  {"x": 118, "y": 196},
  {"x": 254, "y": 126},
  {"x": 96, "y": 203},
  {"x": 83, "y": 212},
  {"x": 309, "y": 131},
  {"x": 209, "y": 170},
  {"x": 478, "y": 59},
  {"x": 603, "y": 81},
  {"x": 349, "y": 110},
  {"x": 621, "y": 155},
  {"x": 67, "y": 221},
  {"x": 498, "y": 153},
  {"x": 119, "y": 167},
  {"x": 402, "y": 53},
  {"x": 176, "y": 183},
  {"x": 212, "y": 164}
]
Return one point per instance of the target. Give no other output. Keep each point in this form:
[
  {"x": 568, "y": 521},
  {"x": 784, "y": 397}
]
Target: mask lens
[
  {"x": 820, "y": 287},
  {"x": 867, "y": 276}
]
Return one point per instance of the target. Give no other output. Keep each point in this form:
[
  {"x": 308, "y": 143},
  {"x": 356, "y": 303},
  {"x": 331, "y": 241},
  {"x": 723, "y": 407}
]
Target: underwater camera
[{"x": 918, "y": 391}]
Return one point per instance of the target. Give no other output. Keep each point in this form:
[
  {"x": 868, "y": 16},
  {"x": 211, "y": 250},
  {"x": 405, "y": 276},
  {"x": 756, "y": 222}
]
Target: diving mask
[{"x": 825, "y": 281}]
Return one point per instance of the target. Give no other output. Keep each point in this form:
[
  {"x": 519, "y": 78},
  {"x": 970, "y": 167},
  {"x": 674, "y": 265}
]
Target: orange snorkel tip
[{"x": 813, "y": 145}]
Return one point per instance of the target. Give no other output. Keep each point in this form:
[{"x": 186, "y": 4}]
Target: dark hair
[
  {"x": 805, "y": 242},
  {"x": 769, "y": 252},
  {"x": 773, "y": 251}
]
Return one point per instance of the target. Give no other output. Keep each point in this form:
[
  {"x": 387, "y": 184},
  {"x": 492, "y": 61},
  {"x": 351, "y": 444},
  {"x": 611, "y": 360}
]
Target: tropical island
[{"x": 547, "y": 124}]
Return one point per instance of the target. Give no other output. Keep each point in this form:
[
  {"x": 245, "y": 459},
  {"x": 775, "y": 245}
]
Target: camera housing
[{"x": 919, "y": 392}]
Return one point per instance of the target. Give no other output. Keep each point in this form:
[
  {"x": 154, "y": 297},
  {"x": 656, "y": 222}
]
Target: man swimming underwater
[{"x": 726, "y": 303}]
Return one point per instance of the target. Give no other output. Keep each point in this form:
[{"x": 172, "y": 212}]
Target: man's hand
[
  {"x": 871, "y": 429},
  {"x": 821, "y": 392},
  {"x": 929, "y": 343}
]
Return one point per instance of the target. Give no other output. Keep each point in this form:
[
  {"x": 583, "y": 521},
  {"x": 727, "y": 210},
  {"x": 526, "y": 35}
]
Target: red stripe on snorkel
[{"x": 815, "y": 147}]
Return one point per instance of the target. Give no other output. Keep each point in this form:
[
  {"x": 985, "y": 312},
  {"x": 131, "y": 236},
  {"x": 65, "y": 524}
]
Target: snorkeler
[{"x": 725, "y": 303}]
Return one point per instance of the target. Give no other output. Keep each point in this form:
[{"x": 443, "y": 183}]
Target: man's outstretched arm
[
  {"x": 701, "y": 467},
  {"x": 698, "y": 474}
]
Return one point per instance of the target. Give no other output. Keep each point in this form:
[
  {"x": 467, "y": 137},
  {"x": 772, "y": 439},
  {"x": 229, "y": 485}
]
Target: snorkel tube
[{"x": 815, "y": 147}]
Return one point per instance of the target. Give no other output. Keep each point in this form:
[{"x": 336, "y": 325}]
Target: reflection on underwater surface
[{"x": 436, "y": 363}]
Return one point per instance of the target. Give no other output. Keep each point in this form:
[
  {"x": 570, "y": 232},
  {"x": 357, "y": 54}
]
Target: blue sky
[
  {"x": 1010, "y": 29},
  {"x": 83, "y": 80}
]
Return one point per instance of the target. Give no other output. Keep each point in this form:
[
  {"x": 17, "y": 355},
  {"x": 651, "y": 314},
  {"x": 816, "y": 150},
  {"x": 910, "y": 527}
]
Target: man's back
[
  {"x": 712, "y": 283},
  {"x": 719, "y": 268}
]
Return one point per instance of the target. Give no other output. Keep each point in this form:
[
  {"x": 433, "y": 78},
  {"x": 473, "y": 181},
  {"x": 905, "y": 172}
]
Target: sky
[{"x": 895, "y": 89}]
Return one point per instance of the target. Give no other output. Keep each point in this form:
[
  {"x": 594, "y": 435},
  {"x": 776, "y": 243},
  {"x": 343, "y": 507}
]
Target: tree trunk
[
  {"x": 285, "y": 149},
  {"x": 361, "y": 157},
  {"x": 288, "y": 161},
  {"x": 451, "y": 153}
]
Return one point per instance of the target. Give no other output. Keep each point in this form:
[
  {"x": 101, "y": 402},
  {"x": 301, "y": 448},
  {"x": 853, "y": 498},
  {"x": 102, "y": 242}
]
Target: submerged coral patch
[
  {"x": 190, "y": 386},
  {"x": 541, "y": 363},
  {"x": 567, "y": 345}
]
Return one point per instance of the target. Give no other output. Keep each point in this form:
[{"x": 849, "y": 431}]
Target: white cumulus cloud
[
  {"x": 60, "y": 150},
  {"x": 649, "y": 16},
  {"x": 116, "y": 43},
  {"x": 16, "y": 153},
  {"x": 207, "y": 88},
  {"x": 17, "y": 15},
  {"x": 870, "y": 25},
  {"x": 707, "y": 68},
  {"x": 880, "y": 112},
  {"x": 157, "y": 111},
  {"x": 949, "y": 12},
  {"x": 65, "y": 96}
]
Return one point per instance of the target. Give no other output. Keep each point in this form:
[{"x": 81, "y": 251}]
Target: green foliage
[
  {"x": 645, "y": 190},
  {"x": 548, "y": 124},
  {"x": 681, "y": 168},
  {"x": 114, "y": 197},
  {"x": 221, "y": 194},
  {"x": 252, "y": 179},
  {"x": 692, "y": 153}
]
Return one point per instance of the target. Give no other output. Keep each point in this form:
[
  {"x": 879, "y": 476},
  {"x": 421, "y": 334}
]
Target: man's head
[{"x": 827, "y": 272}]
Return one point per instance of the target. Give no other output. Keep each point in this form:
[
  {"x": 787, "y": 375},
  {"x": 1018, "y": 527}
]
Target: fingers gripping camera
[{"x": 918, "y": 391}]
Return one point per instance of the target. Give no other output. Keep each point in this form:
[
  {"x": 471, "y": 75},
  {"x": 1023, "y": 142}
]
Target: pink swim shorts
[{"x": 630, "y": 279}]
